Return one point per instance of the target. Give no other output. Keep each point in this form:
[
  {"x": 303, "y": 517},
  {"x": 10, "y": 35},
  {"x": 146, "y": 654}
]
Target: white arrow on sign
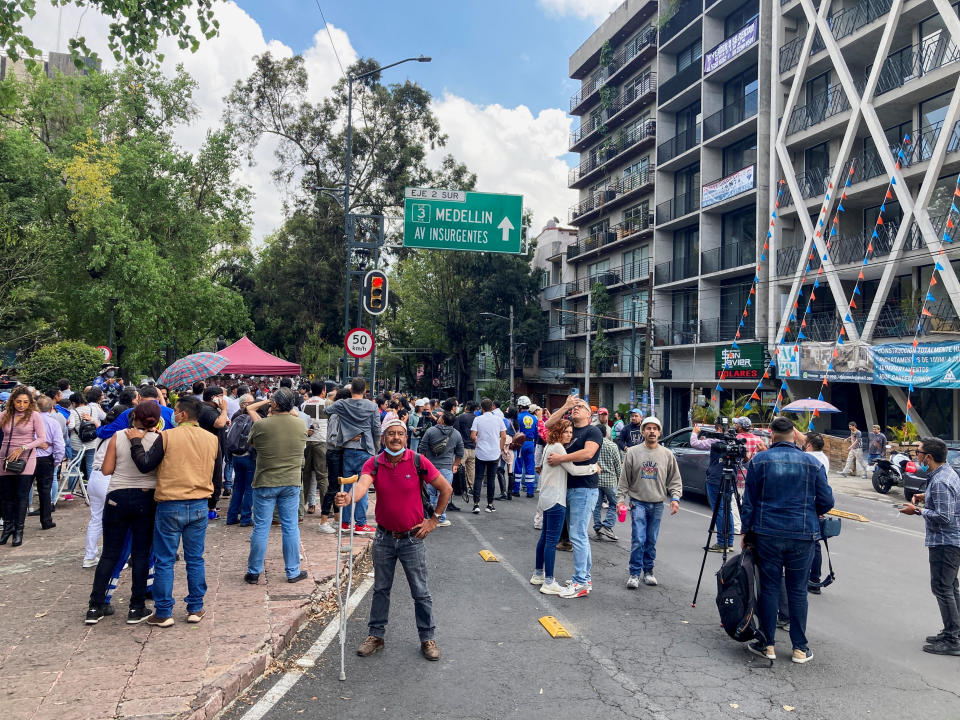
[{"x": 506, "y": 226}]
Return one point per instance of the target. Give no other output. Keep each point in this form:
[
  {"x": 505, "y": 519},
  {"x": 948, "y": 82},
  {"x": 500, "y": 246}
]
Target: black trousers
[
  {"x": 43, "y": 475},
  {"x": 944, "y": 565},
  {"x": 334, "y": 471},
  {"x": 15, "y": 491},
  {"x": 486, "y": 471},
  {"x": 132, "y": 510}
]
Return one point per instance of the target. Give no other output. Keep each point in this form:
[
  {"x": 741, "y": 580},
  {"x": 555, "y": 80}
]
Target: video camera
[{"x": 736, "y": 448}]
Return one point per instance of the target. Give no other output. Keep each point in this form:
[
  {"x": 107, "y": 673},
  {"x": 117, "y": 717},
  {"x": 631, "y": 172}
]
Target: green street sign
[
  {"x": 460, "y": 220},
  {"x": 744, "y": 362}
]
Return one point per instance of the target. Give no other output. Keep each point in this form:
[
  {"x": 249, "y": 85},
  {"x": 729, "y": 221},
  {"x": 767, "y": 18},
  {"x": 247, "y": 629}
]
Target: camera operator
[
  {"x": 786, "y": 492},
  {"x": 718, "y": 451}
]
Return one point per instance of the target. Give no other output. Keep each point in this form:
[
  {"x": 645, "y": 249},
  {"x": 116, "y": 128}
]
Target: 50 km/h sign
[
  {"x": 460, "y": 220},
  {"x": 359, "y": 342}
]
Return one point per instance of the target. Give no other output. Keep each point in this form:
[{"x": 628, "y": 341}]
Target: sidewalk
[{"x": 52, "y": 665}]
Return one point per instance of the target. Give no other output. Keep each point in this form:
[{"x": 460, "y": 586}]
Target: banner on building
[
  {"x": 744, "y": 362},
  {"x": 728, "y": 187},
  {"x": 934, "y": 365},
  {"x": 731, "y": 47}
]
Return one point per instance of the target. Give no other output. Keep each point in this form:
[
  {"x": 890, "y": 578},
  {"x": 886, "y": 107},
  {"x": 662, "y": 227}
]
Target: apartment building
[
  {"x": 611, "y": 260},
  {"x": 52, "y": 62},
  {"x": 903, "y": 60}
]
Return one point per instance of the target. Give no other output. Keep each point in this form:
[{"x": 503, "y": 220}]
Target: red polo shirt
[{"x": 399, "y": 505}]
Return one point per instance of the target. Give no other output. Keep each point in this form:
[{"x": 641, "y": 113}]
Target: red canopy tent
[{"x": 247, "y": 359}]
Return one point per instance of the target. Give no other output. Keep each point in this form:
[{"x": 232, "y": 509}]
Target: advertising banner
[
  {"x": 934, "y": 365},
  {"x": 731, "y": 47},
  {"x": 728, "y": 187},
  {"x": 744, "y": 362}
]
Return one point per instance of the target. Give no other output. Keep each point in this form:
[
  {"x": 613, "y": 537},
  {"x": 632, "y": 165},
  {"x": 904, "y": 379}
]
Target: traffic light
[{"x": 375, "y": 292}]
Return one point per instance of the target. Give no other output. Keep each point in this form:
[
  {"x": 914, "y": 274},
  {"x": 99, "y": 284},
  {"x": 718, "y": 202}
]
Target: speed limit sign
[{"x": 359, "y": 342}]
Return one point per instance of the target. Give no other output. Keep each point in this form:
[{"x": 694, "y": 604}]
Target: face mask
[
  {"x": 391, "y": 453},
  {"x": 923, "y": 467},
  {"x": 110, "y": 374}
]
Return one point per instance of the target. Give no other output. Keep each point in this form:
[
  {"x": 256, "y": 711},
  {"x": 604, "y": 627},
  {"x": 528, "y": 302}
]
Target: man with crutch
[{"x": 403, "y": 521}]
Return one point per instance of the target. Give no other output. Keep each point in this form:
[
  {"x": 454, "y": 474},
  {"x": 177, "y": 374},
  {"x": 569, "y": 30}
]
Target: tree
[
  {"x": 135, "y": 32},
  {"x": 71, "y": 359}
]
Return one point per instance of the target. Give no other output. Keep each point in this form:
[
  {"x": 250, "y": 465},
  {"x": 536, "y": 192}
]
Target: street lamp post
[
  {"x": 348, "y": 221},
  {"x": 503, "y": 317}
]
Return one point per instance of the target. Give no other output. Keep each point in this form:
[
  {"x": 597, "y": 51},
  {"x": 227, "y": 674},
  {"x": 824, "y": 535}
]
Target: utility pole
[
  {"x": 633, "y": 350},
  {"x": 511, "y": 354},
  {"x": 649, "y": 338},
  {"x": 586, "y": 362}
]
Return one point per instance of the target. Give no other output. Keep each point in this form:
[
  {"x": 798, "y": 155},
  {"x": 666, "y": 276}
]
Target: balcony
[
  {"x": 633, "y": 138},
  {"x": 913, "y": 62},
  {"x": 634, "y": 183},
  {"x": 897, "y": 319},
  {"x": 679, "y": 82},
  {"x": 728, "y": 256},
  {"x": 684, "y": 15},
  {"x": 725, "y": 329},
  {"x": 675, "y": 270},
  {"x": 813, "y": 183},
  {"x": 821, "y": 107},
  {"x": 555, "y": 332},
  {"x": 868, "y": 164},
  {"x": 731, "y": 115},
  {"x": 675, "y": 333},
  {"x": 678, "y": 207},
  {"x": 644, "y": 41},
  {"x": 644, "y": 89},
  {"x": 587, "y": 88},
  {"x": 553, "y": 292},
  {"x": 844, "y": 23},
  {"x": 726, "y": 188},
  {"x": 731, "y": 47},
  {"x": 678, "y": 144},
  {"x": 585, "y": 284}
]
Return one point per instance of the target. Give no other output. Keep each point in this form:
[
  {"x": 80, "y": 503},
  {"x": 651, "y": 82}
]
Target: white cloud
[
  {"x": 511, "y": 151},
  {"x": 595, "y": 10}
]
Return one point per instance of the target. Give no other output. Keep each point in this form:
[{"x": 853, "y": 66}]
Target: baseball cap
[
  {"x": 4, "y": 396},
  {"x": 651, "y": 419},
  {"x": 744, "y": 422},
  {"x": 534, "y": 408},
  {"x": 636, "y": 411},
  {"x": 392, "y": 423},
  {"x": 420, "y": 403},
  {"x": 603, "y": 411}
]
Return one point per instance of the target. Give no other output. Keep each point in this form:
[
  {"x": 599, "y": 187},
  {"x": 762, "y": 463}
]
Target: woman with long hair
[
  {"x": 23, "y": 432},
  {"x": 553, "y": 505}
]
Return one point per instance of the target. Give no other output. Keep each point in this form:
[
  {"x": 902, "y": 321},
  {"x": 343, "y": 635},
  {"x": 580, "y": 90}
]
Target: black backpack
[
  {"x": 421, "y": 473},
  {"x": 238, "y": 434},
  {"x": 86, "y": 430},
  {"x": 737, "y": 597}
]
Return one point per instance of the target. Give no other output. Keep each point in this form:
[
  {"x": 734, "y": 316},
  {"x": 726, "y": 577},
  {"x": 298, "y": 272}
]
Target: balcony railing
[
  {"x": 868, "y": 164},
  {"x": 728, "y": 256},
  {"x": 588, "y": 87},
  {"x": 813, "y": 183},
  {"x": 678, "y": 144},
  {"x": 615, "y": 233},
  {"x": 645, "y": 86},
  {"x": 675, "y": 333},
  {"x": 822, "y": 106},
  {"x": 725, "y": 329},
  {"x": 684, "y": 15},
  {"x": 604, "y": 277},
  {"x": 731, "y": 115},
  {"x": 682, "y": 80},
  {"x": 678, "y": 207},
  {"x": 623, "y": 186},
  {"x": 844, "y": 23},
  {"x": 896, "y": 319},
  {"x": 675, "y": 270},
  {"x": 645, "y": 39},
  {"x": 624, "y": 141},
  {"x": 913, "y": 62}
]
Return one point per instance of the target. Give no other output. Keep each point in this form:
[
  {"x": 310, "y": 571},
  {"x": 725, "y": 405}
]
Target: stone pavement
[{"x": 52, "y": 665}]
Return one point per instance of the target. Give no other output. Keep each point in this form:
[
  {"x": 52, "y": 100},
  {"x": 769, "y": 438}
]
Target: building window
[
  {"x": 690, "y": 55},
  {"x": 739, "y": 155},
  {"x": 686, "y": 181},
  {"x": 740, "y": 17},
  {"x": 686, "y": 248},
  {"x": 688, "y": 118},
  {"x": 641, "y": 167},
  {"x": 684, "y": 312},
  {"x": 740, "y": 226},
  {"x": 598, "y": 268},
  {"x": 737, "y": 90},
  {"x": 636, "y": 263},
  {"x": 626, "y": 308},
  {"x": 733, "y": 298},
  {"x": 816, "y": 160}
]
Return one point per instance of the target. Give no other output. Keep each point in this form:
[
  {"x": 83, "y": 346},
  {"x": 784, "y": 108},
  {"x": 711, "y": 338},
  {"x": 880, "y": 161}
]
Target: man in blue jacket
[
  {"x": 786, "y": 492},
  {"x": 124, "y": 420}
]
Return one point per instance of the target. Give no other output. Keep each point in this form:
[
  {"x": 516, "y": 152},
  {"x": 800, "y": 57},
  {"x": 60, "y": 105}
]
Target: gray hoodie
[{"x": 357, "y": 416}]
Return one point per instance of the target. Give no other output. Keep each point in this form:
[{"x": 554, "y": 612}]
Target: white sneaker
[
  {"x": 536, "y": 578},
  {"x": 633, "y": 582},
  {"x": 649, "y": 579},
  {"x": 551, "y": 588},
  {"x": 90, "y": 563},
  {"x": 443, "y": 523},
  {"x": 326, "y": 528},
  {"x": 575, "y": 590}
]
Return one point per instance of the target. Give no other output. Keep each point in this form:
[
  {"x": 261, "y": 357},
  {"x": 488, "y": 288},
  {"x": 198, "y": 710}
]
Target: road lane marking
[
  {"x": 307, "y": 660},
  {"x": 596, "y": 654}
]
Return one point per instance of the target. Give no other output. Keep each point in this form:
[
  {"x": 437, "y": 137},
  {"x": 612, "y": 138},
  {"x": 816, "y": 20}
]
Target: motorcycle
[{"x": 887, "y": 473}]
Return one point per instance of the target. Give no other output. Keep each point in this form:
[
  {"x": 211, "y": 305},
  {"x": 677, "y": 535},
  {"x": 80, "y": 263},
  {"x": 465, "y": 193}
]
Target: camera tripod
[{"x": 728, "y": 486}]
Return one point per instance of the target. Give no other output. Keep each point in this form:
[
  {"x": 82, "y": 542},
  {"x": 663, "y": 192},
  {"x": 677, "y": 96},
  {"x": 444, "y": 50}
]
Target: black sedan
[
  {"x": 914, "y": 483},
  {"x": 692, "y": 462}
]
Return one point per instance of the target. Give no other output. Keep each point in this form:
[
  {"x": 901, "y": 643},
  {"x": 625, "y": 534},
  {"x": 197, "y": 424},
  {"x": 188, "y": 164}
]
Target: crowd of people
[{"x": 156, "y": 464}]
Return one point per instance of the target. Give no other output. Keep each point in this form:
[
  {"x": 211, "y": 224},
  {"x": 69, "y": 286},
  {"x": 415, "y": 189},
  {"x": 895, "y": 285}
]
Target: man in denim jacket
[{"x": 786, "y": 492}]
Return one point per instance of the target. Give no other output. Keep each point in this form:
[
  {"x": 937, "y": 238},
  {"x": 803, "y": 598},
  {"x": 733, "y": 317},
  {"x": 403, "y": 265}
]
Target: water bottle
[{"x": 622, "y": 513}]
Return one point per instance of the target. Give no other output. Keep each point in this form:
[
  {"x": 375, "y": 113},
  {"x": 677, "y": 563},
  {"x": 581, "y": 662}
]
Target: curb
[{"x": 230, "y": 685}]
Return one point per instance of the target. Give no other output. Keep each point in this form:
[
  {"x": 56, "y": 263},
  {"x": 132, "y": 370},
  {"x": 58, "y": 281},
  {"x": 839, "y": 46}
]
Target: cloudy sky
[{"x": 498, "y": 76}]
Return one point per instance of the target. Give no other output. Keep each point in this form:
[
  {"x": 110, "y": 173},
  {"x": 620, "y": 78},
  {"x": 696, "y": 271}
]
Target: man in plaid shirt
[
  {"x": 611, "y": 464},
  {"x": 941, "y": 513}
]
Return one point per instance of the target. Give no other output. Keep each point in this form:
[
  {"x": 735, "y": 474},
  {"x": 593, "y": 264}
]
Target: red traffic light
[{"x": 376, "y": 281}]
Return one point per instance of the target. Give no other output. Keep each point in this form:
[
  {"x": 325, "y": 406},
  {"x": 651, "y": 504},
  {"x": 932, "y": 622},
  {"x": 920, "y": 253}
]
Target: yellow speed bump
[
  {"x": 848, "y": 515},
  {"x": 553, "y": 626},
  {"x": 488, "y": 556}
]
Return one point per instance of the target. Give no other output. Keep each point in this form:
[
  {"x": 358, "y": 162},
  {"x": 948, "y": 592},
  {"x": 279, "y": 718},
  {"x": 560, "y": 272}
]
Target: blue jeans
[
  {"x": 611, "y": 496},
  {"x": 228, "y": 472},
  {"x": 549, "y": 535},
  {"x": 287, "y": 501},
  {"x": 412, "y": 555},
  {"x": 414, "y": 443},
  {"x": 186, "y": 521},
  {"x": 435, "y": 494},
  {"x": 789, "y": 559},
  {"x": 353, "y": 460},
  {"x": 724, "y": 515},
  {"x": 580, "y": 504},
  {"x": 645, "y": 527},
  {"x": 241, "y": 500}
]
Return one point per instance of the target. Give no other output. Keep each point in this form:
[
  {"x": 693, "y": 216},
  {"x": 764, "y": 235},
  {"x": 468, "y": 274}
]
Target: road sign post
[
  {"x": 359, "y": 342},
  {"x": 461, "y": 220}
]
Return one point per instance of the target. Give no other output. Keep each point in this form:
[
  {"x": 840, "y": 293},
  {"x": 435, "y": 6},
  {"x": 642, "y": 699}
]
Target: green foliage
[
  {"x": 497, "y": 390},
  {"x": 704, "y": 414},
  {"x": 606, "y": 53},
  {"x": 71, "y": 359},
  {"x": 135, "y": 30},
  {"x": 903, "y": 434},
  {"x": 668, "y": 8},
  {"x": 319, "y": 358}
]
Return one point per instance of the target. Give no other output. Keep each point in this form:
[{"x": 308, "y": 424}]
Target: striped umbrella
[{"x": 187, "y": 370}]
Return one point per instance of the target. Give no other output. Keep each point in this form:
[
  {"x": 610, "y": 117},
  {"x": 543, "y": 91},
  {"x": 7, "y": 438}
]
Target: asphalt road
[{"x": 638, "y": 653}]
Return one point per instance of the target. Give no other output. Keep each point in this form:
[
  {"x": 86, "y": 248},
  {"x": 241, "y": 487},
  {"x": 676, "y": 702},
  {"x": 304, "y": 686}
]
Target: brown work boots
[
  {"x": 368, "y": 647},
  {"x": 430, "y": 650}
]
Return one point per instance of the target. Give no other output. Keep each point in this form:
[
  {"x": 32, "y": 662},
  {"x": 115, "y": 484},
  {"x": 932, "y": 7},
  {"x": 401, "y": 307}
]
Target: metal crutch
[{"x": 341, "y": 599}]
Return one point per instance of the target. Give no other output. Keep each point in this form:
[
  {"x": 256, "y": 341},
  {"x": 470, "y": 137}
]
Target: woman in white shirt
[
  {"x": 91, "y": 411},
  {"x": 553, "y": 504}
]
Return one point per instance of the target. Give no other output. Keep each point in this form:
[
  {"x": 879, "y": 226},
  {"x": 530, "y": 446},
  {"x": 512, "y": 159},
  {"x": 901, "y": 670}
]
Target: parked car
[
  {"x": 916, "y": 482},
  {"x": 692, "y": 462}
]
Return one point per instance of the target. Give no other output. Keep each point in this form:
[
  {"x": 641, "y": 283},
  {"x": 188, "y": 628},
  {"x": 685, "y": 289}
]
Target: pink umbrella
[{"x": 810, "y": 405}]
